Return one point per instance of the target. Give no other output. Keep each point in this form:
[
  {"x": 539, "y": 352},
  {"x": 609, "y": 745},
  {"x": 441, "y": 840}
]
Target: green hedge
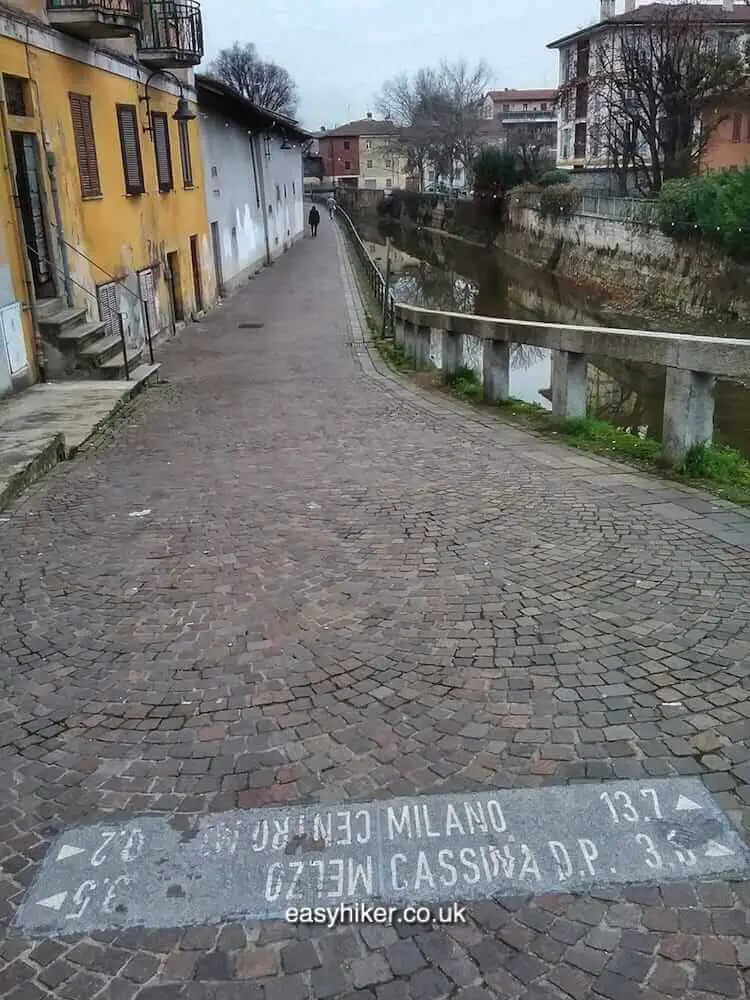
[{"x": 714, "y": 207}]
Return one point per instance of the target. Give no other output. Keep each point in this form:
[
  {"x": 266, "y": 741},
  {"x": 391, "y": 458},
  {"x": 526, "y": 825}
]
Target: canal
[{"x": 439, "y": 272}]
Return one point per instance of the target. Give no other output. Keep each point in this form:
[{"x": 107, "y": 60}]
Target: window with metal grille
[
  {"x": 16, "y": 95},
  {"x": 132, "y": 164},
  {"x": 147, "y": 292},
  {"x": 109, "y": 312},
  {"x": 83, "y": 134},
  {"x": 187, "y": 162},
  {"x": 160, "y": 125}
]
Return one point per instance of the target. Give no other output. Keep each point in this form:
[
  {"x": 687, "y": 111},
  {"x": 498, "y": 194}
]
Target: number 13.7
[{"x": 627, "y": 810}]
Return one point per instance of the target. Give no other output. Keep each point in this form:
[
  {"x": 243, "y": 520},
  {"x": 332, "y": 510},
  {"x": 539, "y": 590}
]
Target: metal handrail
[
  {"x": 376, "y": 280},
  {"x": 117, "y": 281},
  {"x": 88, "y": 291}
]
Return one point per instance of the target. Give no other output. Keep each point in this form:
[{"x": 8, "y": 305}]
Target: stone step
[
  {"x": 114, "y": 367},
  {"x": 102, "y": 349},
  {"x": 63, "y": 320},
  {"x": 80, "y": 337},
  {"x": 47, "y": 307}
]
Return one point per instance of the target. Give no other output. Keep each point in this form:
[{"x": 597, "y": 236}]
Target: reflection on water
[
  {"x": 439, "y": 288},
  {"x": 459, "y": 277}
]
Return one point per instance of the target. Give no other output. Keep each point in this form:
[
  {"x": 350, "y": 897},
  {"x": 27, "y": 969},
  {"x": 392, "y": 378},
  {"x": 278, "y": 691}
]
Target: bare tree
[
  {"x": 436, "y": 116},
  {"x": 264, "y": 83},
  {"x": 654, "y": 83}
]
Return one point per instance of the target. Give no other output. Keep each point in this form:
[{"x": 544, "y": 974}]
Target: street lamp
[{"x": 183, "y": 112}]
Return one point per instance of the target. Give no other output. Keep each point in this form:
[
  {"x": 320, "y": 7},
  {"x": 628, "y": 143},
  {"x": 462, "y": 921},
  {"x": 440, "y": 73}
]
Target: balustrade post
[
  {"x": 422, "y": 348},
  {"x": 451, "y": 351},
  {"x": 496, "y": 370},
  {"x": 688, "y": 412},
  {"x": 568, "y": 385},
  {"x": 399, "y": 330}
]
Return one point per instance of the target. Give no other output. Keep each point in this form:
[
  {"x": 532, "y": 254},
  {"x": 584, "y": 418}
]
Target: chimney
[
  {"x": 629, "y": 6},
  {"x": 606, "y": 9},
  {"x": 729, "y": 6}
]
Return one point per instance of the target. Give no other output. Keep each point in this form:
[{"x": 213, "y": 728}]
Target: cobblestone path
[{"x": 288, "y": 577}]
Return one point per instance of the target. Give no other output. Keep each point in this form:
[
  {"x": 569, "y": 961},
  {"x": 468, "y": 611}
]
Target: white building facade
[{"x": 254, "y": 182}]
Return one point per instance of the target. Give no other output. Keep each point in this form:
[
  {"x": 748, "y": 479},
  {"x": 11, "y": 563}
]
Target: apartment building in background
[
  {"x": 105, "y": 228},
  {"x": 583, "y": 114},
  {"x": 522, "y": 118},
  {"x": 362, "y": 154}
]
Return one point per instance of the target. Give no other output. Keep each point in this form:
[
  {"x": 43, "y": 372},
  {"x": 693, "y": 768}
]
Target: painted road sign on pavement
[{"x": 256, "y": 864}]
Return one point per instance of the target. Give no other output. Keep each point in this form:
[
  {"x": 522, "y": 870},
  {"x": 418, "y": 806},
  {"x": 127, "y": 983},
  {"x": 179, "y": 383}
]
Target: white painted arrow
[
  {"x": 715, "y": 850},
  {"x": 53, "y": 902},
  {"x": 684, "y": 804},
  {"x": 68, "y": 851}
]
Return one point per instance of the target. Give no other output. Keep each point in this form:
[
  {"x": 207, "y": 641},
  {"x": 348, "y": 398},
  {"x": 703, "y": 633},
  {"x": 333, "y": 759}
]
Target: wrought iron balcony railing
[
  {"x": 171, "y": 34},
  {"x": 96, "y": 18}
]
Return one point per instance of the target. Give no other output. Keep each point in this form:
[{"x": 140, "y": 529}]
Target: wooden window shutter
[
  {"x": 132, "y": 165},
  {"x": 83, "y": 133},
  {"x": 187, "y": 163},
  {"x": 160, "y": 125}
]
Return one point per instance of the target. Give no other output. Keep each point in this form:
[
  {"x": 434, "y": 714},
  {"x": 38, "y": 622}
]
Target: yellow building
[{"x": 105, "y": 231}]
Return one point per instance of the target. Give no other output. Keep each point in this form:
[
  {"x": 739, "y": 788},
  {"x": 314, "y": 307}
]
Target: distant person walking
[
  {"x": 331, "y": 206},
  {"x": 313, "y": 220}
]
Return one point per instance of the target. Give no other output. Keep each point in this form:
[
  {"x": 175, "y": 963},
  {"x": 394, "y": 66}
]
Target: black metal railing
[
  {"x": 172, "y": 26},
  {"x": 379, "y": 283},
  {"x": 124, "y": 8}
]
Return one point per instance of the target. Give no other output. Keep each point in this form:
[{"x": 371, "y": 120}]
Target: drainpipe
[
  {"x": 28, "y": 276},
  {"x": 62, "y": 245},
  {"x": 260, "y": 156}
]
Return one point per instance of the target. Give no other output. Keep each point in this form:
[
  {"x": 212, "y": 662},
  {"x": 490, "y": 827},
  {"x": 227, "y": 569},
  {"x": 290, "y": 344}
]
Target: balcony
[
  {"x": 95, "y": 18},
  {"x": 171, "y": 34}
]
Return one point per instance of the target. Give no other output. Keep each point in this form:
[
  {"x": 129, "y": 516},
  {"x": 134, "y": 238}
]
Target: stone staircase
[{"x": 79, "y": 348}]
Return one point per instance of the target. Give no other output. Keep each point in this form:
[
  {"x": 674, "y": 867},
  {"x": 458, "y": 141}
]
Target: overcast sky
[{"x": 340, "y": 52}]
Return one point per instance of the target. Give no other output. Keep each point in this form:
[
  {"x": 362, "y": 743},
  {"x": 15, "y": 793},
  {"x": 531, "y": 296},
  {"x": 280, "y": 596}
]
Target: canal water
[{"x": 443, "y": 273}]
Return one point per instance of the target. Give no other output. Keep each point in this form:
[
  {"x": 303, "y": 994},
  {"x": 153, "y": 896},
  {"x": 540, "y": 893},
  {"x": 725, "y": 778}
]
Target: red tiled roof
[
  {"x": 706, "y": 12},
  {"x": 363, "y": 126},
  {"x": 522, "y": 95}
]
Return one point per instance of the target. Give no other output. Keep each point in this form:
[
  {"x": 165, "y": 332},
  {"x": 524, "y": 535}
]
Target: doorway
[
  {"x": 31, "y": 203},
  {"x": 175, "y": 286},
  {"x": 216, "y": 248},
  {"x": 196, "y": 265}
]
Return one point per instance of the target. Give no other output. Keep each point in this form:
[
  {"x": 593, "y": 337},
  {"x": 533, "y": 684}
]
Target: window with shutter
[
  {"x": 83, "y": 133},
  {"x": 132, "y": 164},
  {"x": 160, "y": 126},
  {"x": 187, "y": 163}
]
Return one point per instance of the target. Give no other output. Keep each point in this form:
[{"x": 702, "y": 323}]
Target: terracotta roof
[
  {"x": 363, "y": 126},
  {"x": 522, "y": 95},
  {"x": 707, "y": 12}
]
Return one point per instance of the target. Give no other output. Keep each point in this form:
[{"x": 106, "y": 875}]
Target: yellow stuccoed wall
[{"x": 121, "y": 233}]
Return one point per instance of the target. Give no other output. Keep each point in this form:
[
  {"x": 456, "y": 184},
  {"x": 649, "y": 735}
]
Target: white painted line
[
  {"x": 68, "y": 851},
  {"x": 53, "y": 902},
  {"x": 685, "y": 804}
]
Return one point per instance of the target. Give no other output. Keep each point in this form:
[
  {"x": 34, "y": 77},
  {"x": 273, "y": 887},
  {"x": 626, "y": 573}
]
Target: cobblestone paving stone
[{"x": 345, "y": 589}]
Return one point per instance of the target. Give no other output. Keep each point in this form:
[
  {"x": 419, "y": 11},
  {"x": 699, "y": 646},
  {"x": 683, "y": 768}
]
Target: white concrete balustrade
[{"x": 692, "y": 363}]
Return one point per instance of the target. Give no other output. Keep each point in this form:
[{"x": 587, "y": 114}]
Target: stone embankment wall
[
  {"x": 635, "y": 265},
  {"x": 637, "y": 269}
]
